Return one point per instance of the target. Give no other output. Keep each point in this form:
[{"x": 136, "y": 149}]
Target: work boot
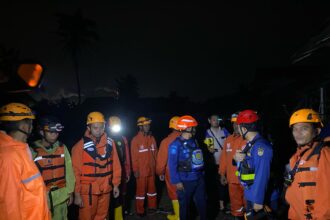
[
  {"x": 176, "y": 208},
  {"x": 119, "y": 213}
]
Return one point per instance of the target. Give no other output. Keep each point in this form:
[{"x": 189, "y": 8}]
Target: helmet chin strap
[
  {"x": 24, "y": 132},
  {"x": 243, "y": 134}
]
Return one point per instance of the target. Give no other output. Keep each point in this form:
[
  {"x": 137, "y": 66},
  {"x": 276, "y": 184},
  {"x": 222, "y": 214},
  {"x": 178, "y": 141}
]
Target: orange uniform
[
  {"x": 144, "y": 152},
  {"x": 309, "y": 193},
  {"x": 233, "y": 143},
  {"x": 96, "y": 166},
  {"x": 161, "y": 166},
  {"x": 23, "y": 192}
]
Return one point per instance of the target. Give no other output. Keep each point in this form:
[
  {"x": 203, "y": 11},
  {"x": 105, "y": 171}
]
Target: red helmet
[
  {"x": 185, "y": 122},
  {"x": 247, "y": 117}
]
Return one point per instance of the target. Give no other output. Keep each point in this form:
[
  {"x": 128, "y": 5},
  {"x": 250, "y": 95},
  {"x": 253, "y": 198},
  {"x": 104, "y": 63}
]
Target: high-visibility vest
[{"x": 51, "y": 166}]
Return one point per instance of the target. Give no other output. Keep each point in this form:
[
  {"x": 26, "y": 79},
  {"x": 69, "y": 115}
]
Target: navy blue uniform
[
  {"x": 185, "y": 160},
  {"x": 258, "y": 159}
]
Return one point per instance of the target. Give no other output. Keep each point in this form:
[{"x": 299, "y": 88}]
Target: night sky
[{"x": 200, "y": 50}]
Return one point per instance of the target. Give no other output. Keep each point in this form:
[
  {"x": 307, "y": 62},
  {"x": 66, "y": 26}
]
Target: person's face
[
  {"x": 214, "y": 121},
  {"x": 49, "y": 136},
  {"x": 191, "y": 132},
  {"x": 146, "y": 128},
  {"x": 96, "y": 129},
  {"x": 304, "y": 133}
]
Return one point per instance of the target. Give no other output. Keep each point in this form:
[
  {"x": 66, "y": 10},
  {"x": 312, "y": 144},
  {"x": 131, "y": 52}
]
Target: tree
[{"x": 77, "y": 32}]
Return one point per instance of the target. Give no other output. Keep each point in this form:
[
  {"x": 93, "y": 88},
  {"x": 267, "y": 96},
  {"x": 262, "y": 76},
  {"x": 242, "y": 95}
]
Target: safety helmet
[
  {"x": 114, "y": 123},
  {"x": 247, "y": 117},
  {"x": 114, "y": 120},
  {"x": 95, "y": 117},
  {"x": 50, "y": 123},
  {"x": 15, "y": 112},
  {"x": 305, "y": 115},
  {"x": 234, "y": 117},
  {"x": 185, "y": 122},
  {"x": 143, "y": 121},
  {"x": 173, "y": 122}
]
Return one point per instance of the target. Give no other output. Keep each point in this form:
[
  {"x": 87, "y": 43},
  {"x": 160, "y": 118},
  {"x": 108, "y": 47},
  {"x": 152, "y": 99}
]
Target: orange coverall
[
  {"x": 95, "y": 193},
  {"x": 309, "y": 193},
  {"x": 233, "y": 143},
  {"x": 161, "y": 166},
  {"x": 23, "y": 192},
  {"x": 144, "y": 152}
]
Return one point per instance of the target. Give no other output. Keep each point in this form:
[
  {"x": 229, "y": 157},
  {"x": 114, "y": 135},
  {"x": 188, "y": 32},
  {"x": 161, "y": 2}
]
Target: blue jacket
[
  {"x": 177, "y": 153},
  {"x": 259, "y": 158}
]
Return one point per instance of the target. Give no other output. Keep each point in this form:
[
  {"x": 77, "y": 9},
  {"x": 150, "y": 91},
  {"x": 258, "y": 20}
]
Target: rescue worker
[
  {"x": 227, "y": 170},
  {"x": 186, "y": 164},
  {"x": 54, "y": 162},
  {"x": 121, "y": 143},
  {"x": 23, "y": 192},
  {"x": 163, "y": 169},
  {"x": 144, "y": 153},
  {"x": 308, "y": 192},
  {"x": 214, "y": 140},
  {"x": 97, "y": 168},
  {"x": 253, "y": 162}
]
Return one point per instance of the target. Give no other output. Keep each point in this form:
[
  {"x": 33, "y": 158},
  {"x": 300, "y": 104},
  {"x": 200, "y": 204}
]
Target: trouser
[
  {"x": 171, "y": 189},
  {"x": 121, "y": 200},
  {"x": 60, "y": 212},
  {"x": 236, "y": 194},
  {"x": 192, "y": 190},
  {"x": 145, "y": 185},
  {"x": 95, "y": 207}
]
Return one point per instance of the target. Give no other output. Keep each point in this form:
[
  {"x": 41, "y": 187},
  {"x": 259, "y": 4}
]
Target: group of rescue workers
[{"x": 40, "y": 180}]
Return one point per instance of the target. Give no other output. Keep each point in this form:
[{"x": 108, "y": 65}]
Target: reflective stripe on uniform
[
  {"x": 38, "y": 158},
  {"x": 88, "y": 144},
  {"x": 144, "y": 150},
  {"x": 151, "y": 194},
  {"x": 139, "y": 197},
  {"x": 247, "y": 176},
  {"x": 31, "y": 178}
]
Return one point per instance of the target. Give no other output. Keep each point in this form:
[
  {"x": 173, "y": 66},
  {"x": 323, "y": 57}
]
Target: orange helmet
[
  {"x": 305, "y": 115},
  {"x": 143, "y": 121},
  {"x": 185, "y": 122},
  {"x": 173, "y": 122},
  {"x": 95, "y": 117},
  {"x": 234, "y": 117},
  {"x": 15, "y": 112}
]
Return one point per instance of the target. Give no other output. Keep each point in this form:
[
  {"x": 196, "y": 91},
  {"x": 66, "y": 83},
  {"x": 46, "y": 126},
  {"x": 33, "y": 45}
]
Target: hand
[
  {"x": 257, "y": 207},
  {"x": 161, "y": 177},
  {"x": 115, "y": 192},
  {"x": 223, "y": 180},
  {"x": 136, "y": 174},
  {"x": 239, "y": 156},
  {"x": 70, "y": 200},
  {"x": 211, "y": 149},
  {"x": 128, "y": 178},
  {"x": 179, "y": 186},
  {"x": 78, "y": 200}
]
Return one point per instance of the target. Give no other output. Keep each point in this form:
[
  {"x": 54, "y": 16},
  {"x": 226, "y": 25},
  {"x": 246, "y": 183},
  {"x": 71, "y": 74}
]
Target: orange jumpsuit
[
  {"x": 144, "y": 152},
  {"x": 309, "y": 192},
  {"x": 233, "y": 143},
  {"x": 23, "y": 192},
  {"x": 95, "y": 176},
  {"x": 161, "y": 166}
]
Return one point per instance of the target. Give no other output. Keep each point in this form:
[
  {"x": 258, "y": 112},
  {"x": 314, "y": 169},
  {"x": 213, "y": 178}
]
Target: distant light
[{"x": 115, "y": 128}]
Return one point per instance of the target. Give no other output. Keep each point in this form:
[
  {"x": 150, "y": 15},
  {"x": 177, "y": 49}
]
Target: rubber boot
[
  {"x": 176, "y": 209},
  {"x": 119, "y": 213}
]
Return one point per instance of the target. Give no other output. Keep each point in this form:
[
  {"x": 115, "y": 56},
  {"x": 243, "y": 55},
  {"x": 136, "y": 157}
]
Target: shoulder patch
[{"x": 260, "y": 151}]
